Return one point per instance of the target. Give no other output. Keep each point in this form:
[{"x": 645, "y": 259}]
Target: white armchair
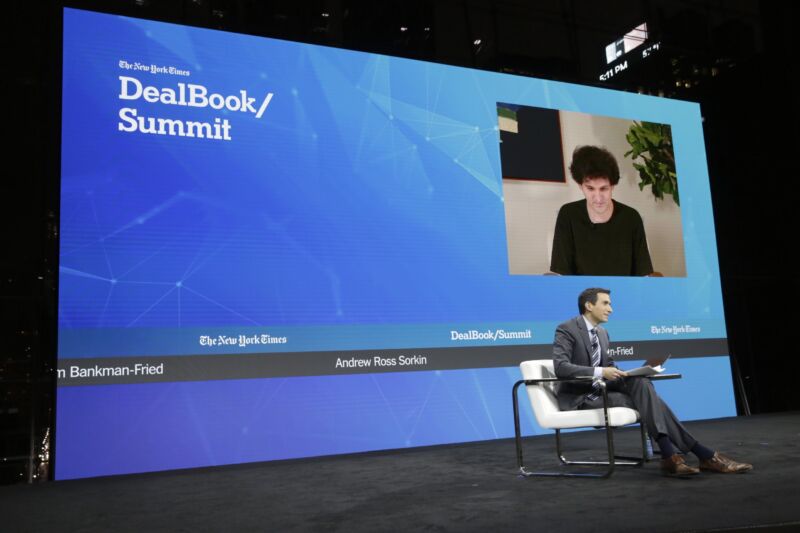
[{"x": 540, "y": 382}]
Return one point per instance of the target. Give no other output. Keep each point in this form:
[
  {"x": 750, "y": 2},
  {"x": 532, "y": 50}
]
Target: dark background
[
  {"x": 535, "y": 151},
  {"x": 736, "y": 59}
]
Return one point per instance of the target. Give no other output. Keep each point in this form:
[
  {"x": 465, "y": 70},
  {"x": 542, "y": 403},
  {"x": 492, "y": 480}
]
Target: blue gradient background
[{"x": 368, "y": 196}]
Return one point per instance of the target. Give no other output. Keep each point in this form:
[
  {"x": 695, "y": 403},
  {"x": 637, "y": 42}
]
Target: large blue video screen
[{"x": 274, "y": 250}]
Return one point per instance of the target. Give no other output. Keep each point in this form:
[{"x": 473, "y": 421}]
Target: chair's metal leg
[
  {"x": 612, "y": 459},
  {"x": 609, "y": 434},
  {"x": 517, "y": 432},
  {"x": 630, "y": 461},
  {"x": 560, "y": 453},
  {"x": 645, "y": 458}
]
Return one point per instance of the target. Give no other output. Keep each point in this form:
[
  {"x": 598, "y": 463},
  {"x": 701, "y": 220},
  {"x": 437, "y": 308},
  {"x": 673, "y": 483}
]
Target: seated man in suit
[{"x": 581, "y": 349}]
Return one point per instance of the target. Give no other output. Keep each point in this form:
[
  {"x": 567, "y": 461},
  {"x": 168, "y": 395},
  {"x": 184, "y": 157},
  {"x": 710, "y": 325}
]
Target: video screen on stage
[{"x": 274, "y": 250}]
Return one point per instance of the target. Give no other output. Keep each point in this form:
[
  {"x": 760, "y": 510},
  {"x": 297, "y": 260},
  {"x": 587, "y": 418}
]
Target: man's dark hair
[
  {"x": 593, "y": 161},
  {"x": 590, "y": 296}
]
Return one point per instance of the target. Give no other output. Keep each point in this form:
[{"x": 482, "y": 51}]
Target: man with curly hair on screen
[{"x": 598, "y": 235}]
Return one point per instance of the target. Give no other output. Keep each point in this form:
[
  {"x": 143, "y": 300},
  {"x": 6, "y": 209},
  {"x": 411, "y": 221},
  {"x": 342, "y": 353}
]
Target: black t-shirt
[{"x": 614, "y": 248}]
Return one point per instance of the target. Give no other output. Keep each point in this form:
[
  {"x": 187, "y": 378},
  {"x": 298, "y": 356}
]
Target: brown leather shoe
[
  {"x": 675, "y": 465},
  {"x": 724, "y": 465}
]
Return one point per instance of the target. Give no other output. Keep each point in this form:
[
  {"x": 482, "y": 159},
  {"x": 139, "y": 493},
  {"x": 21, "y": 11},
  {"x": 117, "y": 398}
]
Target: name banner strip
[{"x": 160, "y": 369}]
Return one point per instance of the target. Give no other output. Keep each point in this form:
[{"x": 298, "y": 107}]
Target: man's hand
[{"x": 611, "y": 373}]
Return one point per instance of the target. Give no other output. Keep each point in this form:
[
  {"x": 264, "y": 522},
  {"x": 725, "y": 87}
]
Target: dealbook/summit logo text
[
  {"x": 190, "y": 95},
  {"x": 489, "y": 335}
]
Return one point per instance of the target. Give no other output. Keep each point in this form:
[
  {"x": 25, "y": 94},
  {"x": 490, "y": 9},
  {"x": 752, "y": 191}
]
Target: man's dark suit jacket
[{"x": 572, "y": 353}]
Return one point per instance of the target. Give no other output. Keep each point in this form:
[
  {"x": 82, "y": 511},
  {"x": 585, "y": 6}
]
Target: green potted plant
[{"x": 651, "y": 143}]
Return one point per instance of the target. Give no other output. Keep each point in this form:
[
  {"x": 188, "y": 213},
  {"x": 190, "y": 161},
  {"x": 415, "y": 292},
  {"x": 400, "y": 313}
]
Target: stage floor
[{"x": 469, "y": 487}]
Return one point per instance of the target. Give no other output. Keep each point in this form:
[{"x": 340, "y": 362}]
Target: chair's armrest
[
  {"x": 665, "y": 376},
  {"x": 656, "y": 377},
  {"x": 555, "y": 380}
]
